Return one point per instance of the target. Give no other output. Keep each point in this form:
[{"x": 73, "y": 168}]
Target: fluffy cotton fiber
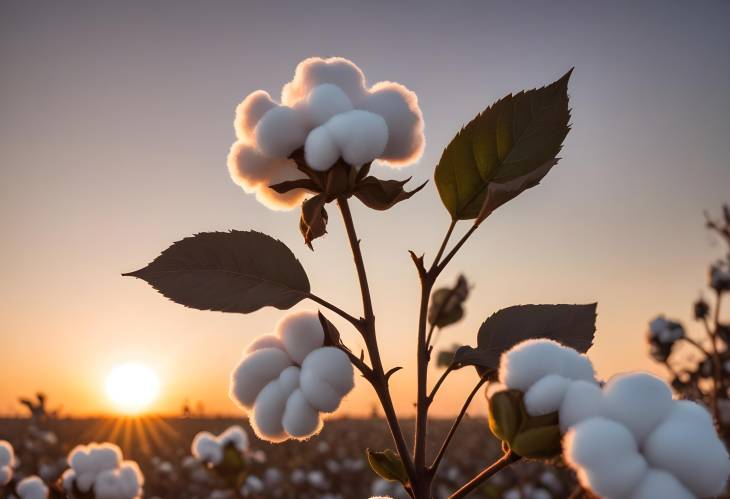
[
  {"x": 99, "y": 468},
  {"x": 32, "y": 487},
  {"x": 209, "y": 448},
  {"x": 327, "y": 109},
  {"x": 287, "y": 379},
  {"x": 7, "y": 459}
]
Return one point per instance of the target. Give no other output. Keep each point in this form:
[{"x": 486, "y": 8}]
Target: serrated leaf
[
  {"x": 313, "y": 221},
  {"x": 236, "y": 271},
  {"x": 388, "y": 465},
  {"x": 382, "y": 194},
  {"x": 572, "y": 325},
  {"x": 512, "y": 138}
]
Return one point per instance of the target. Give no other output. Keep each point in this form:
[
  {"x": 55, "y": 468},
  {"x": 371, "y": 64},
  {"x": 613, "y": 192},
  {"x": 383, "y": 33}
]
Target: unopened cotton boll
[
  {"x": 582, "y": 400},
  {"x": 300, "y": 419},
  {"x": 326, "y": 101},
  {"x": 686, "y": 445},
  {"x": 32, "y": 487},
  {"x": 249, "y": 112},
  {"x": 660, "y": 484},
  {"x": 326, "y": 377},
  {"x": 280, "y": 131},
  {"x": 606, "y": 456},
  {"x": 320, "y": 149},
  {"x": 525, "y": 363},
  {"x": 205, "y": 447},
  {"x": 256, "y": 371},
  {"x": 301, "y": 333},
  {"x": 637, "y": 400},
  {"x": 546, "y": 395},
  {"x": 360, "y": 135}
]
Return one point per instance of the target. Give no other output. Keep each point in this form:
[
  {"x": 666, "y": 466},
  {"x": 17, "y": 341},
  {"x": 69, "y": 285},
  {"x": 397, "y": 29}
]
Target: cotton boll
[
  {"x": 266, "y": 341},
  {"x": 32, "y": 487},
  {"x": 206, "y": 448},
  {"x": 301, "y": 333},
  {"x": 315, "y": 71},
  {"x": 326, "y": 377},
  {"x": 254, "y": 372},
  {"x": 281, "y": 170},
  {"x": 249, "y": 112},
  {"x": 686, "y": 446},
  {"x": 300, "y": 419},
  {"x": 582, "y": 400},
  {"x": 235, "y": 435},
  {"x": 660, "y": 484},
  {"x": 527, "y": 362},
  {"x": 289, "y": 379},
  {"x": 577, "y": 366},
  {"x": 692, "y": 413},
  {"x": 324, "y": 102},
  {"x": 360, "y": 135},
  {"x": 248, "y": 168},
  {"x": 546, "y": 395},
  {"x": 268, "y": 411},
  {"x": 6, "y": 474},
  {"x": 320, "y": 149},
  {"x": 399, "y": 108},
  {"x": 132, "y": 479},
  {"x": 637, "y": 400},
  {"x": 280, "y": 131},
  {"x": 606, "y": 456},
  {"x": 7, "y": 457}
]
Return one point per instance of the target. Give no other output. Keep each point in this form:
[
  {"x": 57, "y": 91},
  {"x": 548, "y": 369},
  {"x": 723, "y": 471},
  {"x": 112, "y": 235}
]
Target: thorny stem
[{"x": 506, "y": 460}]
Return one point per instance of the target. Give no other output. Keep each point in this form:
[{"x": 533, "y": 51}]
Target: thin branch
[
  {"x": 506, "y": 460},
  {"x": 436, "y": 270},
  {"x": 454, "y": 426},
  {"x": 438, "y": 384},
  {"x": 695, "y": 344},
  {"x": 349, "y": 318},
  {"x": 444, "y": 243}
]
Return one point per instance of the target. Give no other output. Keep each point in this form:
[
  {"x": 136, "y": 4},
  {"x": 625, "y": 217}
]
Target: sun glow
[{"x": 132, "y": 387}]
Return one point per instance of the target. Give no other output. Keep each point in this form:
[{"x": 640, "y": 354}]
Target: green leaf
[
  {"x": 513, "y": 138},
  {"x": 572, "y": 325},
  {"x": 387, "y": 464},
  {"x": 236, "y": 271},
  {"x": 506, "y": 414}
]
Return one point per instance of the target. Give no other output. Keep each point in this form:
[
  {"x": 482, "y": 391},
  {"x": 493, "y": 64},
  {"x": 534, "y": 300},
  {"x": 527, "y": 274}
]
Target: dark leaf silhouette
[
  {"x": 382, "y": 194},
  {"x": 313, "y": 222},
  {"x": 331, "y": 334},
  {"x": 447, "y": 304},
  {"x": 290, "y": 185},
  {"x": 236, "y": 271},
  {"x": 572, "y": 325},
  {"x": 511, "y": 139},
  {"x": 387, "y": 464}
]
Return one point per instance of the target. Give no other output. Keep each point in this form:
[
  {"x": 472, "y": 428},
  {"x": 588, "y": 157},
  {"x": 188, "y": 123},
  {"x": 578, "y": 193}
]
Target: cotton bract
[
  {"x": 100, "y": 468},
  {"x": 32, "y": 487},
  {"x": 330, "y": 112},
  {"x": 7, "y": 459},
  {"x": 286, "y": 380}
]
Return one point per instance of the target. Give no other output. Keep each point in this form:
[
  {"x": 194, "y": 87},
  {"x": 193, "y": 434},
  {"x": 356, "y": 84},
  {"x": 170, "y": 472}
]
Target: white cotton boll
[
  {"x": 301, "y": 333},
  {"x": 280, "y": 131},
  {"x": 7, "y": 456},
  {"x": 108, "y": 485},
  {"x": 525, "y": 363},
  {"x": 399, "y": 108},
  {"x": 249, "y": 112},
  {"x": 326, "y": 377},
  {"x": 6, "y": 474},
  {"x": 686, "y": 445},
  {"x": 582, "y": 400},
  {"x": 315, "y": 71},
  {"x": 254, "y": 372},
  {"x": 289, "y": 379},
  {"x": 206, "y": 448},
  {"x": 32, "y": 487},
  {"x": 577, "y": 366},
  {"x": 266, "y": 341},
  {"x": 67, "y": 479},
  {"x": 660, "y": 484},
  {"x": 235, "y": 435},
  {"x": 360, "y": 135},
  {"x": 320, "y": 149},
  {"x": 546, "y": 395},
  {"x": 300, "y": 419},
  {"x": 637, "y": 400},
  {"x": 606, "y": 456},
  {"x": 268, "y": 411},
  {"x": 324, "y": 102},
  {"x": 132, "y": 479}
]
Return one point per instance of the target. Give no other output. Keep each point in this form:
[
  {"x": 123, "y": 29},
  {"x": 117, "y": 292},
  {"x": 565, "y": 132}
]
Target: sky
[{"x": 115, "y": 122}]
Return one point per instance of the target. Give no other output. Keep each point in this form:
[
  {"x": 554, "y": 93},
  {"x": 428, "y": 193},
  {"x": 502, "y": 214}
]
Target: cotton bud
[{"x": 662, "y": 336}]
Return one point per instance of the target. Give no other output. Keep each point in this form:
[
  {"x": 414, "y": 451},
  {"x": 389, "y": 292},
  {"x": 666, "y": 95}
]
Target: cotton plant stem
[
  {"x": 438, "y": 384},
  {"x": 439, "y": 267},
  {"x": 367, "y": 329},
  {"x": 352, "y": 320},
  {"x": 505, "y": 461},
  {"x": 717, "y": 375},
  {"x": 422, "y": 403}
]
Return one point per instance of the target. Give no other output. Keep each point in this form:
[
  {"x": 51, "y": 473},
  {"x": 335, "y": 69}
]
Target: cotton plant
[
  {"x": 321, "y": 144},
  {"x": 32, "y": 487},
  {"x": 7, "y": 461},
  {"x": 98, "y": 471},
  {"x": 225, "y": 454}
]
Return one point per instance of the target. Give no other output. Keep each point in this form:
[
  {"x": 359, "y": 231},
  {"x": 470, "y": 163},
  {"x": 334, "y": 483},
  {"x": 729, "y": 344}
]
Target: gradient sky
[{"x": 116, "y": 118}]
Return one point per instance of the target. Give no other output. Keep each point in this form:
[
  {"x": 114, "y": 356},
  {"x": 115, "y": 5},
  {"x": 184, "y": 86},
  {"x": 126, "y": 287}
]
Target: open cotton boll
[
  {"x": 122, "y": 483},
  {"x": 249, "y": 112},
  {"x": 7, "y": 456},
  {"x": 268, "y": 412},
  {"x": 660, "y": 484},
  {"x": 266, "y": 341},
  {"x": 637, "y": 400},
  {"x": 280, "y": 131},
  {"x": 324, "y": 102},
  {"x": 289, "y": 379},
  {"x": 525, "y": 363},
  {"x": 687, "y": 446},
  {"x": 326, "y": 377},
  {"x": 300, "y": 419},
  {"x": 577, "y": 366},
  {"x": 254, "y": 372},
  {"x": 234, "y": 435},
  {"x": 206, "y": 448},
  {"x": 360, "y": 135},
  {"x": 582, "y": 400},
  {"x": 399, "y": 108},
  {"x": 320, "y": 149},
  {"x": 315, "y": 71},
  {"x": 301, "y": 333},
  {"x": 606, "y": 457},
  {"x": 32, "y": 487},
  {"x": 546, "y": 395}
]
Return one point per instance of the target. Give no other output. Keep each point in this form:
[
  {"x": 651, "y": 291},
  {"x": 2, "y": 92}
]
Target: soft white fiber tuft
[
  {"x": 582, "y": 400},
  {"x": 7, "y": 459},
  {"x": 360, "y": 135},
  {"x": 280, "y": 131},
  {"x": 525, "y": 363},
  {"x": 660, "y": 484},
  {"x": 301, "y": 333},
  {"x": 249, "y": 112},
  {"x": 546, "y": 395},
  {"x": 206, "y": 448},
  {"x": 320, "y": 149},
  {"x": 300, "y": 419},
  {"x": 324, "y": 102},
  {"x": 254, "y": 372},
  {"x": 327, "y": 376},
  {"x": 32, "y": 487}
]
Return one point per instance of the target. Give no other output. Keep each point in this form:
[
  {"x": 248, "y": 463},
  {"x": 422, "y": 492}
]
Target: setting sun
[{"x": 132, "y": 387}]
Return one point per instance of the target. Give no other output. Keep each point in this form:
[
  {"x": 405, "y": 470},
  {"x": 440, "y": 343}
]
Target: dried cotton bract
[
  {"x": 99, "y": 468},
  {"x": 330, "y": 112},
  {"x": 7, "y": 459},
  {"x": 287, "y": 379},
  {"x": 32, "y": 487}
]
